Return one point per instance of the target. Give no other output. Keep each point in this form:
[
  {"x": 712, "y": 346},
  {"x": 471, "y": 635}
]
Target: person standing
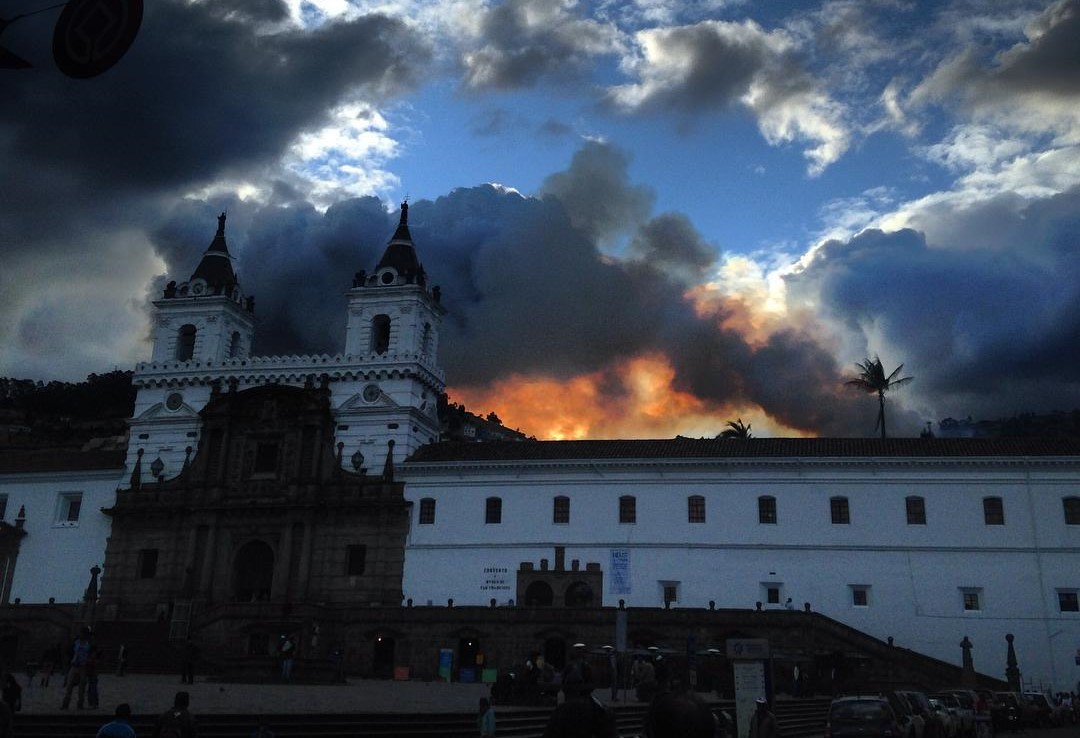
[
  {"x": 287, "y": 652},
  {"x": 120, "y": 726},
  {"x": 762, "y": 722},
  {"x": 177, "y": 722},
  {"x": 12, "y": 693},
  {"x": 485, "y": 721},
  {"x": 190, "y": 656},
  {"x": 121, "y": 660},
  {"x": 92, "y": 662},
  {"x": 80, "y": 652}
]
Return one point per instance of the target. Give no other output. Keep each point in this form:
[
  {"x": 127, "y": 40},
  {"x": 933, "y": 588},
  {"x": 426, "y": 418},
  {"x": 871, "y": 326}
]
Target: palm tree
[
  {"x": 736, "y": 429},
  {"x": 872, "y": 380}
]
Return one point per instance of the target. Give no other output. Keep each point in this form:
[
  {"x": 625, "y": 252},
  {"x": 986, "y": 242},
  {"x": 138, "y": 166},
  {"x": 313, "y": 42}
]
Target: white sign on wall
[
  {"x": 749, "y": 685},
  {"x": 619, "y": 572},
  {"x": 496, "y": 580}
]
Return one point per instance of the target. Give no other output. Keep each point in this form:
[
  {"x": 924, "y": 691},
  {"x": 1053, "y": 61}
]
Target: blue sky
[{"x": 648, "y": 217}]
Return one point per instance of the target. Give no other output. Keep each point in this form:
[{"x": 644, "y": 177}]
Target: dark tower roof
[
  {"x": 216, "y": 265},
  {"x": 400, "y": 253}
]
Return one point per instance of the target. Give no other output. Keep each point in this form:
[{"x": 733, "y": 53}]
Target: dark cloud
[
  {"x": 986, "y": 330},
  {"x": 556, "y": 128},
  {"x": 596, "y": 193},
  {"x": 528, "y": 40},
  {"x": 670, "y": 243},
  {"x": 497, "y": 122}
]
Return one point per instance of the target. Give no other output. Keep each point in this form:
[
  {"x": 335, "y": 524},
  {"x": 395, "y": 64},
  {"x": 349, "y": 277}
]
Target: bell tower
[
  {"x": 392, "y": 336},
  {"x": 206, "y": 319}
]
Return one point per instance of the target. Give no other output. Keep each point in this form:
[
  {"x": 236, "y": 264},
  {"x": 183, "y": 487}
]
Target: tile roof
[
  {"x": 43, "y": 460},
  {"x": 772, "y": 448}
]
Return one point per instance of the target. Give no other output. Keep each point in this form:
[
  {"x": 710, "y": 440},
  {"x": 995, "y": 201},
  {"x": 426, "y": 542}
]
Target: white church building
[{"x": 922, "y": 540}]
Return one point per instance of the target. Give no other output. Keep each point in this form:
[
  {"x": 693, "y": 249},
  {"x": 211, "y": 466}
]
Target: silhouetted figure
[
  {"x": 580, "y": 715},
  {"x": 80, "y": 654},
  {"x": 120, "y": 727},
  {"x": 762, "y": 722},
  {"x": 177, "y": 722},
  {"x": 680, "y": 715}
]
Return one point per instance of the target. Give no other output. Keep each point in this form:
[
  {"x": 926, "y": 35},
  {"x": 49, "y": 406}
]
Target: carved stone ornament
[
  {"x": 164, "y": 320},
  {"x": 405, "y": 309},
  {"x": 211, "y": 318},
  {"x": 356, "y": 312}
]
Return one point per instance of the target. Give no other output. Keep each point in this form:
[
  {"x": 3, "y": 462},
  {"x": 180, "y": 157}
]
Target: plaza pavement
[{"x": 152, "y": 693}]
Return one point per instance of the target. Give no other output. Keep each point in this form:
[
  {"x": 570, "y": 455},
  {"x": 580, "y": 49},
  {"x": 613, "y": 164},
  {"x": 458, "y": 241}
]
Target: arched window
[
  {"x": 185, "y": 342},
  {"x": 234, "y": 345},
  {"x": 380, "y": 334},
  {"x": 539, "y": 594},
  {"x": 695, "y": 509},
  {"x": 579, "y": 594},
  {"x": 766, "y": 510},
  {"x": 627, "y": 509}
]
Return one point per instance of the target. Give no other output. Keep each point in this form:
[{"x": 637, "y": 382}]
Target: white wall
[
  {"x": 54, "y": 557},
  {"x": 915, "y": 572}
]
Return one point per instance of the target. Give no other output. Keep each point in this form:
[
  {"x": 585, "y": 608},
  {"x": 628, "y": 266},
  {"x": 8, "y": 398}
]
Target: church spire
[
  {"x": 400, "y": 254},
  {"x": 215, "y": 269}
]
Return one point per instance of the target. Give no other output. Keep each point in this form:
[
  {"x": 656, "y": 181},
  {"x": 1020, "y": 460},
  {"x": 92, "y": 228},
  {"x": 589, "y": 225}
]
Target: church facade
[{"x": 311, "y": 493}]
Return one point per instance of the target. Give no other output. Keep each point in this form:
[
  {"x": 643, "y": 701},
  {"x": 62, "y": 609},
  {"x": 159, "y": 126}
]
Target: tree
[
  {"x": 736, "y": 429},
  {"x": 872, "y": 380}
]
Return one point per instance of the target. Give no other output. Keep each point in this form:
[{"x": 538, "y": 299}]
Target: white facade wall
[
  {"x": 55, "y": 556},
  {"x": 915, "y": 574}
]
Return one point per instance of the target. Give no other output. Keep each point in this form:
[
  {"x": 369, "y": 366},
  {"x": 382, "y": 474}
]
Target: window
[
  {"x": 148, "y": 558},
  {"x": 1072, "y": 510},
  {"x": 916, "y": 510},
  {"x": 380, "y": 334},
  {"x": 234, "y": 345},
  {"x": 993, "y": 511},
  {"x": 772, "y": 594},
  {"x": 971, "y": 598},
  {"x": 561, "y": 511},
  {"x": 427, "y": 511},
  {"x": 1068, "y": 601},
  {"x": 670, "y": 592},
  {"x": 355, "y": 559},
  {"x": 695, "y": 509},
  {"x": 627, "y": 509},
  {"x": 266, "y": 458},
  {"x": 493, "y": 510},
  {"x": 185, "y": 342},
  {"x": 860, "y": 595},
  {"x": 68, "y": 509},
  {"x": 766, "y": 510},
  {"x": 838, "y": 508}
]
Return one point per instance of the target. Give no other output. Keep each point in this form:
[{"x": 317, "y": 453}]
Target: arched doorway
[
  {"x": 555, "y": 652},
  {"x": 468, "y": 650},
  {"x": 253, "y": 572},
  {"x": 579, "y": 594},
  {"x": 539, "y": 594},
  {"x": 382, "y": 657}
]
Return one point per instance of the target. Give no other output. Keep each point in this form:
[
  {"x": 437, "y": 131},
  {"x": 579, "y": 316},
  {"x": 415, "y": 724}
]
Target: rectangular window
[
  {"x": 670, "y": 592},
  {"x": 68, "y": 509},
  {"x": 993, "y": 511},
  {"x": 266, "y": 458},
  {"x": 772, "y": 594},
  {"x": 355, "y": 560},
  {"x": 561, "y": 510},
  {"x": 916, "y": 511},
  {"x": 695, "y": 509},
  {"x": 1072, "y": 510},
  {"x": 1068, "y": 601},
  {"x": 148, "y": 558},
  {"x": 971, "y": 598},
  {"x": 766, "y": 510},
  {"x": 493, "y": 511},
  {"x": 427, "y": 511},
  {"x": 860, "y": 595},
  {"x": 627, "y": 509},
  {"x": 838, "y": 509}
]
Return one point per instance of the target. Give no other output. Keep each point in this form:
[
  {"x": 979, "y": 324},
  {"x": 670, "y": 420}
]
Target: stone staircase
[{"x": 796, "y": 718}]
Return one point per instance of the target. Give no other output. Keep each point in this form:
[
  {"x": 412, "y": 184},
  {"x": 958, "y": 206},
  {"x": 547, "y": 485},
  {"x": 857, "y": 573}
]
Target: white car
[{"x": 950, "y": 723}]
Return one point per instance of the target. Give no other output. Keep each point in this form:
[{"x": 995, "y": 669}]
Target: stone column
[
  {"x": 304, "y": 573},
  {"x": 279, "y": 589},
  {"x": 206, "y": 590}
]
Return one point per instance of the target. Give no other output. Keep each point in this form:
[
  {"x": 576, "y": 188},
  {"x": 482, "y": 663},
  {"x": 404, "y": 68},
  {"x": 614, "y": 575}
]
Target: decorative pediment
[
  {"x": 372, "y": 396},
  {"x": 158, "y": 411}
]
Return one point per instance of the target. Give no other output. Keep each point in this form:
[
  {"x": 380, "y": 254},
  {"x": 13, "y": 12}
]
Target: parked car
[
  {"x": 862, "y": 717},
  {"x": 920, "y": 705},
  {"x": 969, "y": 701},
  {"x": 946, "y": 718},
  {"x": 1022, "y": 712},
  {"x": 1045, "y": 711},
  {"x": 911, "y": 723}
]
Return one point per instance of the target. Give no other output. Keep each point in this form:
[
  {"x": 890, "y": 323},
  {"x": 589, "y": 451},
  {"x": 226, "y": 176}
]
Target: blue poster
[{"x": 619, "y": 571}]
